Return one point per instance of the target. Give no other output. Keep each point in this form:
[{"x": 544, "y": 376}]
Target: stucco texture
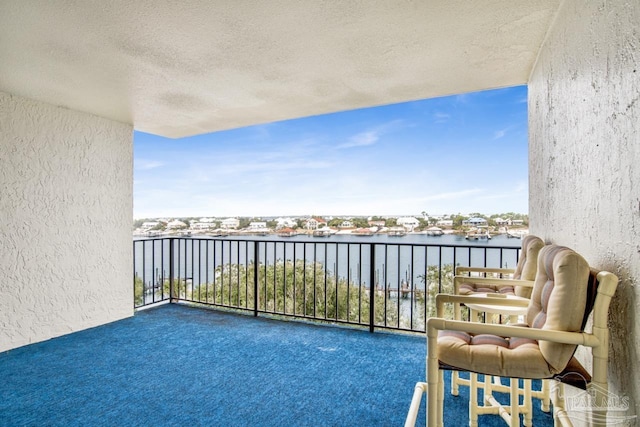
[
  {"x": 65, "y": 228},
  {"x": 584, "y": 102}
]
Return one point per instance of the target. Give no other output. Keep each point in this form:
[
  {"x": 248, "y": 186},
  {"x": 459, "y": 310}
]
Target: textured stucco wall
[
  {"x": 65, "y": 221},
  {"x": 584, "y": 103}
]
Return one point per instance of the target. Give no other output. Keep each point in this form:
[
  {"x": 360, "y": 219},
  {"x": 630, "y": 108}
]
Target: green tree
[
  {"x": 299, "y": 288},
  {"x": 335, "y": 222},
  {"x": 360, "y": 222}
]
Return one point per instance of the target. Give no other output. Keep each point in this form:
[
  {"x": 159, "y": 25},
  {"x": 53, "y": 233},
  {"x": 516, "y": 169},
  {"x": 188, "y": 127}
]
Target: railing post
[
  {"x": 171, "y": 270},
  {"x": 256, "y": 257},
  {"x": 372, "y": 286}
]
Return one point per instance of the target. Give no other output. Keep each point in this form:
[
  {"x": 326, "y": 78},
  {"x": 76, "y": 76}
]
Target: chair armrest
[
  {"x": 458, "y": 300},
  {"x": 461, "y": 270},
  {"x": 474, "y": 299},
  {"x": 435, "y": 324}
]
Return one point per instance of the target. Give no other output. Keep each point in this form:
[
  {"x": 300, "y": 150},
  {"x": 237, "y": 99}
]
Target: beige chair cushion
[
  {"x": 493, "y": 355},
  {"x": 525, "y": 270},
  {"x": 528, "y": 263},
  {"x": 557, "y": 303},
  {"x": 559, "y": 299}
]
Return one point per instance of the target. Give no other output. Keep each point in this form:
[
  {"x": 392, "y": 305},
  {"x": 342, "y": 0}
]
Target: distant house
[
  {"x": 229, "y": 223},
  {"x": 346, "y": 224},
  {"x": 445, "y": 223},
  {"x": 285, "y": 223},
  {"x": 408, "y": 222},
  {"x": 516, "y": 222},
  {"x": 176, "y": 224},
  {"x": 149, "y": 225},
  {"x": 209, "y": 220},
  {"x": 201, "y": 225},
  {"x": 257, "y": 225},
  {"x": 314, "y": 223},
  {"x": 377, "y": 223},
  {"x": 500, "y": 221},
  {"x": 475, "y": 222}
]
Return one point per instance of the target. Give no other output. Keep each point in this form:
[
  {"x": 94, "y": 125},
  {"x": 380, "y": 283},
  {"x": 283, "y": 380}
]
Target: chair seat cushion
[
  {"x": 493, "y": 355},
  {"x": 481, "y": 288}
]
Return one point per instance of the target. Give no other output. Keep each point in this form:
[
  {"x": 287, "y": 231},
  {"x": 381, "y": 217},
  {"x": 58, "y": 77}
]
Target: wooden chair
[{"x": 564, "y": 294}]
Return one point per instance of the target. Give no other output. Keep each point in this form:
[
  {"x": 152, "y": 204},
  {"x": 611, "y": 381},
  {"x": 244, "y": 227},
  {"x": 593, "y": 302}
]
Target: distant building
[
  {"x": 285, "y": 223},
  {"x": 408, "y": 222},
  {"x": 149, "y": 225},
  {"x": 476, "y": 222},
  {"x": 314, "y": 223},
  {"x": 377, "y": 223},
  {"x": 175, "y": 224},
  {"x": 500, "y": 221},
  {"x": 229, "y": 223},
  {"x": 445, "y": 223},
  {"x": 201, "y": 225},
  {"x": 257, "y": 225}
]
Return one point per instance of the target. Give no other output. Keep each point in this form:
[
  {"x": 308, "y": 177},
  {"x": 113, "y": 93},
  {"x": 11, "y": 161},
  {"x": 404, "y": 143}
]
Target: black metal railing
[{"x": 309, "y": 279}]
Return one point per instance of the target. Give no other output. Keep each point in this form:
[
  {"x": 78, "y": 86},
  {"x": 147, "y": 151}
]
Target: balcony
[{"x": 77, "y": 79}]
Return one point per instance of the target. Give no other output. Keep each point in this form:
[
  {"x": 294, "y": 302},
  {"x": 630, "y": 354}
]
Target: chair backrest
[
  {"x": 528, "y": 263},
  {"x": 559, "y": 299}
]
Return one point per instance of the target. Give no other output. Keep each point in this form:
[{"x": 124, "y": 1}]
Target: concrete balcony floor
[{"x": 178, "y": 365}]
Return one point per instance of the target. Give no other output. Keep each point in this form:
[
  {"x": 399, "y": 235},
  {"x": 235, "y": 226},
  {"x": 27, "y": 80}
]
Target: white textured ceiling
[{"x": 178, "y": 68}]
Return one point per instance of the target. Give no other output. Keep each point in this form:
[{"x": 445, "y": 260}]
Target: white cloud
[
  {"x": 441, "y": 117},
  {"x": 362, "y": 139},
  {"x": 500, "y": 133},
  {"x": 371, "y": 136}
]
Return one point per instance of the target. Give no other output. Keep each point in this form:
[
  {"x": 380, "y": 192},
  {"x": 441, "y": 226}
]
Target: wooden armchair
[{"x": 564, "y": 293}]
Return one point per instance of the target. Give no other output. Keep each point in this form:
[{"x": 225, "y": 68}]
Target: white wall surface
[
  {"x": 584, "y": 102},
  {"x": 65, "y": 221}
]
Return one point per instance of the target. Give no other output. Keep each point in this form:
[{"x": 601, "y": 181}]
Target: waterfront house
[
  {"x": 346, "y": 224},
  {"x": 408, "y": 222},
  {"x": 314, "y": 223},
  {"x": 78, "y": 78},
  {"x": 257, "y": 225},
  {"x": 230, "y": 223},
  {"x": 445, "y": 223},
  {"x": 201, "y": 226},
  {"x": 499, "y": 221},
  {"x": 475, "y": 222},
  {"x": 147, "y": 225},
  {"x": 285, "y": 222},
  {"x": 176, "y": 224}
]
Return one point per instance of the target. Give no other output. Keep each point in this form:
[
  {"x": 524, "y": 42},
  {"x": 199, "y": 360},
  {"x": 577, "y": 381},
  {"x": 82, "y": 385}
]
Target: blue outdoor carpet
[{"x": 181, "y": 366}]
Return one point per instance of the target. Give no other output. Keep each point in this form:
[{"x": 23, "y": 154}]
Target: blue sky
[{"x": 457, "y": 154}]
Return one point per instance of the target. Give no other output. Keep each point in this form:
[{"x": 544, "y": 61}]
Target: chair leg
[
  {"x": 440, "y": 398},
  {"x": 412, "y": 415},
  {"x": 528, "y": 406},
  {"x": 454, "y": 383},
  {"x": 557, "y": 398},
  {"x": 514, "y": 400},
  {"x": 599, "y": 411},
  {"x": 473, "y": 399},
  {"x": 545, "y": 401}
]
